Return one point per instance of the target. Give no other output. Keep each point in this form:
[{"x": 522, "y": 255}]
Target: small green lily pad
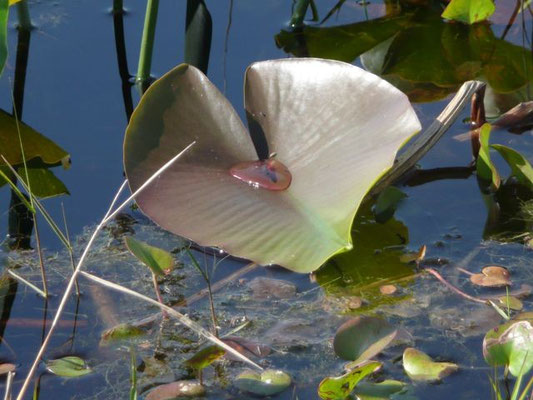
[
  {"x": 337, "y": 388},
  {"x": 420, "y": 367},
  {"x": 469, "y": 11},
  {"x": 205, "y": 357},
  {"x": 268, "y": 383},
  {"x": 158, "y": 260},
  {"x": 361, "y": 338},
  {"x": 510, "y": 344},
  {"x": 68, "y": 367}
]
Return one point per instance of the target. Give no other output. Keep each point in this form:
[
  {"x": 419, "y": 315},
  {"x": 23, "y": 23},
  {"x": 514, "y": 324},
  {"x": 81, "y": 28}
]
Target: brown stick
[{"x": 453, "y": 288}]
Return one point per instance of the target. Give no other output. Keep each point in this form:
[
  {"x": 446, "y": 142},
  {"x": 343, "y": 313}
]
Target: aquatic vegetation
[
  {"x": 420, "y": 367},
  {"x": 317, "y": 119},
  {"x": 469, "y": 11},
  {"x": 338, "y": 388}
]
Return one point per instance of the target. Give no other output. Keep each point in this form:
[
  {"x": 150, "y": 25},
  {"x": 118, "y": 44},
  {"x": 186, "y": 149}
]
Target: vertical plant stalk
[
  {"x": 147, "y": 43},
  {"x": 9, "y": 385},
  {"x": 107, "y": 217},
  {"x": 133, "y": 374},
  {"x": 69, "y": 249},
  {"x": 122, "y": 59},
  {"x": 158, "y": 293}
]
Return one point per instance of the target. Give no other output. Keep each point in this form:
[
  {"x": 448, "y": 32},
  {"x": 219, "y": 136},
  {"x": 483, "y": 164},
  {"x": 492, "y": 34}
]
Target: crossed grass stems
[{"x": 416, "y": 150}]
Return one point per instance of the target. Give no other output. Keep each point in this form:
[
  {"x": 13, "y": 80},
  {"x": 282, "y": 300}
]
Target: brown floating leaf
[
  {"x": 492, "y": 276},
  {"x": 246, "y": 347},
  {"x": 388, "y": 289}
]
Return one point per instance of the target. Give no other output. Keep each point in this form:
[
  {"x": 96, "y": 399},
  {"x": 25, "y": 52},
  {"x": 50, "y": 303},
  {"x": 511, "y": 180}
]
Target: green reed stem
[{"x": 147, "y": 42}]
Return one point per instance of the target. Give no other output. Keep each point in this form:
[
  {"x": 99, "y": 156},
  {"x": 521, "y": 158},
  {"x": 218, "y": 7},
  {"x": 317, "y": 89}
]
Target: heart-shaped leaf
[
  {"x": 511, "y": 344},
  {"x": 469, "y": 11},
  {"x": 68, "y": 367},
  {"x": 268, "y": 383},
  {"x": 335, "y": 127},
  {"x": 178, "y": 389},
  {"x": 361, "y": 338},
  {"x": 338, "y": 388},
  {"x": 158, "y": 260},
  {"x": 492, "y": 276},
  {"x": 420, "y": 367}
]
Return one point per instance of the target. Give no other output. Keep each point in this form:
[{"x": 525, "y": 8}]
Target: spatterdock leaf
[
  {"x": 158, "y": 260},
  {"x": 339, "y": 387},
  {"x": 469, "y": 11},
  {"x": 34, "y": 144},
  {"x": 335, "y": 127}
]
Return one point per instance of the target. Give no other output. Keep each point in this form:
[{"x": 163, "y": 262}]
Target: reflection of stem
[
  {"x": 226, "y": 39},
  {"x": 453, "y": 288},
  {"x": 512, "y": 19},
  {"x": 147, "y": 43},
  {"x": 122, "y": 60}
]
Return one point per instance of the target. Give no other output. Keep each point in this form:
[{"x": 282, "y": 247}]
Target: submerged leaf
[
  {"x": 205, "y": 357},
  {"x": 120, "y": 332},
  {"x": 511, "y": 344},
  {"x": 387, "y": 202},
  {"x": 158, "y": 260},
  {"x": 176, "y": 389},
  {"x": 338, "y": 388},
  {"x": 316, "y": 117},
  {"x": 268, "y": 383},
  {"x": 361, "y": 338},
  {"x": 420, "y": 367},
  {"x": 469, "y": 11},
  {"x": 68, "y": 367},
  {"x": 512, "y": 302}
]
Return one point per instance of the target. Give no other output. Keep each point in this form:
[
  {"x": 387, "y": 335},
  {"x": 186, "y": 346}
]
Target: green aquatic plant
[{"x": 331, "y": 128}]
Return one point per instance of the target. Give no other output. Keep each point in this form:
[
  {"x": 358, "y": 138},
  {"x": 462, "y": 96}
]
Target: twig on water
[
  {"x": 170, "y": 311},
  {"x": 453, "y": 288}
]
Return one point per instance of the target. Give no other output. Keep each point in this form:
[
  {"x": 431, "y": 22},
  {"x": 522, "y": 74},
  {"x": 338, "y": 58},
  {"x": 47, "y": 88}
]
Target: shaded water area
[{"x": 78, "y": 93}]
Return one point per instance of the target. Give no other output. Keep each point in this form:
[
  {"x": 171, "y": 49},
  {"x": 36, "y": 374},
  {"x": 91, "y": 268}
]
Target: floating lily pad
[
  {"x": 158, "y": 260},
  {"x": 308, "y": 222},
  {"x": 267, "y": 383},
  {"x": 492, "y": 276},
  {"x": 68, "y": 367},
  {"x": 338, "y": 388},
  {"x": 178, "y": 389},
  {"x": 361, "y": 338},
  {"x": 420, "y": 367},
  {"x": 512, "y": 302},
  {"x": 469, "y": 11},
  {"x": 511, "y": 344},
  {"x": 247, "y": 347},
  {"x": 205, "y": 357}
]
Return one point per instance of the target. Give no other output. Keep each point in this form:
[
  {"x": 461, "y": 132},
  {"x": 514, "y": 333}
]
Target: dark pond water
[{"x": 74, "y": 95}]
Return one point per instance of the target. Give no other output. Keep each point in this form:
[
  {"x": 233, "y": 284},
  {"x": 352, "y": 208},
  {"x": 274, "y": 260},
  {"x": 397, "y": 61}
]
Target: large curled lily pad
[
  {"x": 361, "y": 338},
  {"x": 338, "y": 388},
  {"x": 267, "y": 383},
  {"x": 511, "y": 344},
  {"x": 335, "y": 127},
  {"x": 420, "y": 367}
]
